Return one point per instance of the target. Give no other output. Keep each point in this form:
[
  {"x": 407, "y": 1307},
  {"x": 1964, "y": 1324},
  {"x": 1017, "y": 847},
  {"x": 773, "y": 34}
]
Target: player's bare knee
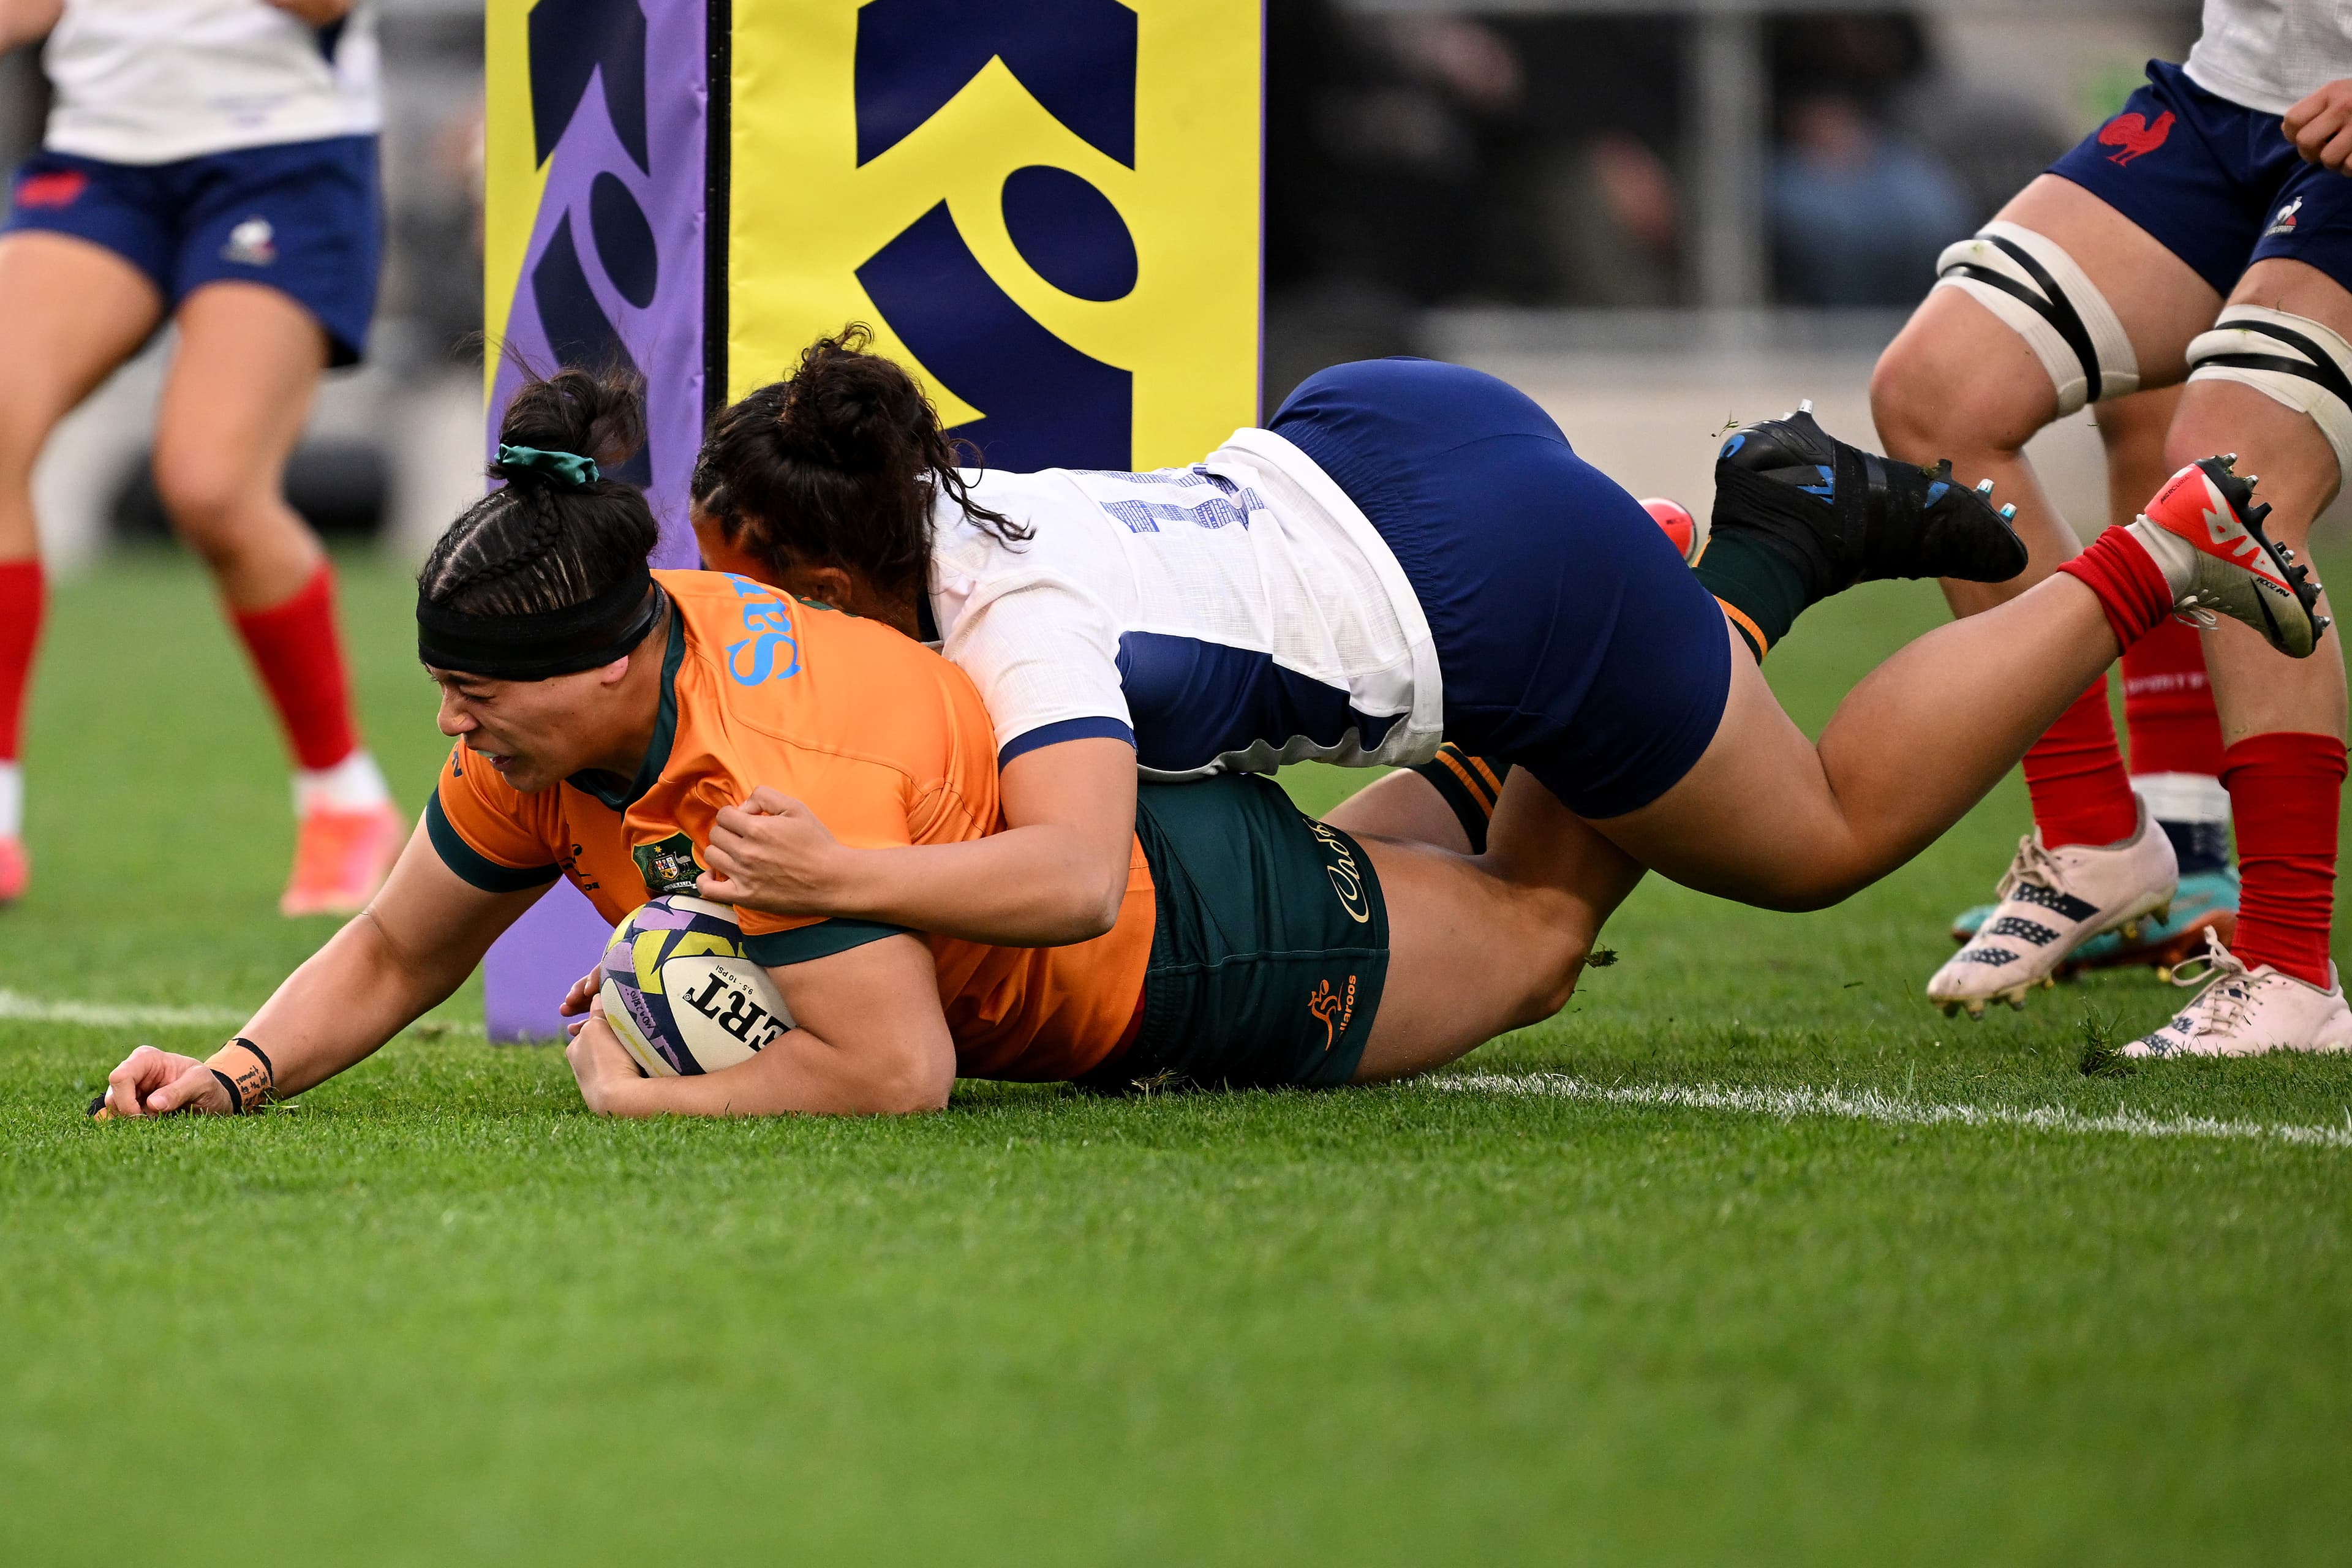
[
  {"x": 1558, "y": 940},
  {"x": 199, "y": 490},
  {"x": 1929, "y": 402}
]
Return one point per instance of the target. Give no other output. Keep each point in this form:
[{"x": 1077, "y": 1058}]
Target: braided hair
[
  {"x": 539, "y": 542},
  {"x": 839, "y": 464}
]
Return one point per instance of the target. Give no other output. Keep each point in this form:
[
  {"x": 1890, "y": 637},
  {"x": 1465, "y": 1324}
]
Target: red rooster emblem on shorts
[{"x": 2134, "y": 135}]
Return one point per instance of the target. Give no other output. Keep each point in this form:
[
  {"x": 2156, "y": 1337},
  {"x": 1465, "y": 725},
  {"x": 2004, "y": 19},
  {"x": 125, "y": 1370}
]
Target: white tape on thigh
[
  {"x": 2028, "y": 281},
  {"x": 2292, "y": 359}
]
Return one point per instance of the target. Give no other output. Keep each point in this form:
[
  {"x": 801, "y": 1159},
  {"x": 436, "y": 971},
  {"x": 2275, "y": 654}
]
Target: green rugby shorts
[{"x": 1272, "y": 946}]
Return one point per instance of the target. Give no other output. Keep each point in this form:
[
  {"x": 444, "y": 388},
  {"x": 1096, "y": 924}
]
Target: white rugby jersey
[
  {"x": 1229, "y": 617},
  {"x": 2271, "y": 54},
  {"x": 153, "y": 81}
]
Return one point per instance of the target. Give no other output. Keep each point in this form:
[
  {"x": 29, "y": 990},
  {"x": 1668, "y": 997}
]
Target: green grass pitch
[{"x": 436, "y": 1313}]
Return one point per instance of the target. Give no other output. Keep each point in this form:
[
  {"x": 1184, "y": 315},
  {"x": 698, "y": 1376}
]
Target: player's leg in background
[
  {"x": 2283, "y": 720},
  {"x": 1768, "y": 817},
  {"x": 239, "y": 393},
  {"x": 70, "y": 311},
  {"x": 2174, "y": 736},
  {"x": 1964, "y": 382}
]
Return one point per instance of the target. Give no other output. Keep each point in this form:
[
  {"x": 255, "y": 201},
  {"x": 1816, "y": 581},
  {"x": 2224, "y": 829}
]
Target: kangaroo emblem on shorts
[
  {"x": 1332, "y": 1009},
  {"x": 2132, "y": 134}
]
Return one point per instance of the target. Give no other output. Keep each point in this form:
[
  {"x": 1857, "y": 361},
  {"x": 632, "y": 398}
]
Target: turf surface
[{"x": 434, "y": 1312}]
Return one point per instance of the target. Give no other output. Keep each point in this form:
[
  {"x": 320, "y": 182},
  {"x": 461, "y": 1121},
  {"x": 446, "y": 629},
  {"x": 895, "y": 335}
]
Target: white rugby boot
[
  {"x": 2245, "y": 1012},
  {"x": 2050, "y": 901},
  {"x": 2205, "y": 534}
]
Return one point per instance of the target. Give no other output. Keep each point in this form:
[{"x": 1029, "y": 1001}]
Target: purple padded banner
[{"x": 614, "y": 276}]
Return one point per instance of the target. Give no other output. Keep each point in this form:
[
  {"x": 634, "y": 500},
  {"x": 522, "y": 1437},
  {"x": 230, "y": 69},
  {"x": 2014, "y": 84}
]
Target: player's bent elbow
[
  {"x": 1932, "y": 400},
  {"x": 912, "y": 1092}
]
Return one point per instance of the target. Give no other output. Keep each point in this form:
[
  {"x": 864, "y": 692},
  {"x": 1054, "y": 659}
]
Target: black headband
[{"x": 535, "y": 646}]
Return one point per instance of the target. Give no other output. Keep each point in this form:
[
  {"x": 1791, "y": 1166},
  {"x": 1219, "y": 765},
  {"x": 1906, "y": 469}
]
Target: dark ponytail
[
  {"x": 839, "y": 466},
  {"x": 539, "y": 542}
]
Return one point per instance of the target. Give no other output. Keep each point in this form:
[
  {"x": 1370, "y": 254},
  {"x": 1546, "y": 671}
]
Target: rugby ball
[
  {"x": 681, "y": 994},
  {"x": 1685, "y": 532}
]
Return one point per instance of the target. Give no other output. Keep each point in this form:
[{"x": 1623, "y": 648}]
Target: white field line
[
  {"x": 1870, "y": 1105},
  {"x": 14, "y": 1005},
  {"x": 106, "y": 1015}
]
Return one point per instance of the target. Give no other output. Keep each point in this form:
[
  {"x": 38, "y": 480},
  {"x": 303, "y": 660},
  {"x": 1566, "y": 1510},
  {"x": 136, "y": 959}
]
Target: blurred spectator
[
  {"x": 1443, "y": 159},
  {"x": 1857, "y": 213}
]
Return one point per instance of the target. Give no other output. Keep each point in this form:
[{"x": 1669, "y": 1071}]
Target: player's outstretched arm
[
  {"x": 869, "y": 1040},
  {"x": 408, "y": 949},
  {"x": 2321, "y": 126},
  {"x": 1056, "y": 875}
]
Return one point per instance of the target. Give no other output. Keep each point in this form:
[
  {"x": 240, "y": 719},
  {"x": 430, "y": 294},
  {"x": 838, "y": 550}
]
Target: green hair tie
[{"x": 569, "y": 466}]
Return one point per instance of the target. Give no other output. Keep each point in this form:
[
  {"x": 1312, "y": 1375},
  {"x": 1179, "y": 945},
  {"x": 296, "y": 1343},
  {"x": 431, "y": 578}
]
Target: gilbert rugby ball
[{"x": 681, "y": 994}]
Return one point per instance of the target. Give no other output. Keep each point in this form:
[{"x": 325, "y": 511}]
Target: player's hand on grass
[
  {"x": 2321, "y": 126},
  {"x": 771, "y": 853},
  {"x": 156, "y": 1083},
  {"x": 600, "y": 1064}
]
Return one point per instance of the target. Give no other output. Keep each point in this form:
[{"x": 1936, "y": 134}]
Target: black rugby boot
[{"x": 1841, "y": 515}]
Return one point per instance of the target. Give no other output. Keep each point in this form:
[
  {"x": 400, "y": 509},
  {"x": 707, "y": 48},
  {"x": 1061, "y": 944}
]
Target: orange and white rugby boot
[{"x": 2205, "y": 533}]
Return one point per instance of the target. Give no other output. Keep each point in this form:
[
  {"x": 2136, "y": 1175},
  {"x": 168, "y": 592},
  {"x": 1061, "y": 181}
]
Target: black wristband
[
  {"x": 236, "y": 1100},
  {"x": 259, "y": 1054}
]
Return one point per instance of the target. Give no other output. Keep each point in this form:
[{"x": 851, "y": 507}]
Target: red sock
[
  {"x": 2076, "y": 775},
  {"x": 2284, "y": 789},
  {"x": 23, "y": 596},
  {"x": 2168, "y": 704},
  {"x": 300, "y": 658},
  {"x": 2130, "y": 586}
]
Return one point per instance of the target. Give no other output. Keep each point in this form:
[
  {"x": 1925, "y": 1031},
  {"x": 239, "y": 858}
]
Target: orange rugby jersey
[{"x": 884, "y": 740}]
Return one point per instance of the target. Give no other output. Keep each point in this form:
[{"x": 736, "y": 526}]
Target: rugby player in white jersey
[
  {"x": 211, "y": 163},
  {"x": 2204, "y": 234},
  {"x": 1409, "y": 550}
]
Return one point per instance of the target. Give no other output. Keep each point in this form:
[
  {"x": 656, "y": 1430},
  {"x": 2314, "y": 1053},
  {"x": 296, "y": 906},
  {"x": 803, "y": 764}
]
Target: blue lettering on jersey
[
  {"x": 1231, "y": 504},
  {"x": 753, "y": 659}
]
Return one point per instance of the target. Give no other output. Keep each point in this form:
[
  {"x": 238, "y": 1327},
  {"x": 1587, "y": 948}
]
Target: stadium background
[
  {"x": 1650, "y": 215},
  {"x": 1773, "y": 1265}
]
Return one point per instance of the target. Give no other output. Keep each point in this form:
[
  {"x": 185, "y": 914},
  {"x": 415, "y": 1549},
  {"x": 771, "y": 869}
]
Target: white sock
[
  {"x": 355, "y": 784},
  {"x": 12, "y": 801},
  {"x": 2183, "y": 797}
]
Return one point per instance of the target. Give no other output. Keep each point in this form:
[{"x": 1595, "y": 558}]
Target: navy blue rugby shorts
[
  {"x": 1573, "y": 639},
  {"x": 2215, "y": 182},
  {"x": 302, "y": 218}
]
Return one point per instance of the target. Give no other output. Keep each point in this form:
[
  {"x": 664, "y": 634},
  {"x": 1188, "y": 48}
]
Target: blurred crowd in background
[{"x": 1415, "y": 162}]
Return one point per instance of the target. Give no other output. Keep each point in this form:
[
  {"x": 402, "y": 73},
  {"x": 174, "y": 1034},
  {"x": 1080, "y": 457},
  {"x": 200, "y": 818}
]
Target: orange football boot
[
  {"x": 340, "y": 859},
  {"x": 15, "y": 870}
]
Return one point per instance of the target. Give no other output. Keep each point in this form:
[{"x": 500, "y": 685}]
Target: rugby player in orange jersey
[{"x": 604, "y": 714}]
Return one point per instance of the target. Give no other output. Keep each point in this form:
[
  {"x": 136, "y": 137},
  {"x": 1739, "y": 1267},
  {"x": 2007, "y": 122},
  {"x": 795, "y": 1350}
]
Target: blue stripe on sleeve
[{"x": 1096, "y": 728}]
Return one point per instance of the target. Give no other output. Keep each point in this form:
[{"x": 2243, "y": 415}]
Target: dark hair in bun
[
  {"x": 840, "y": 465},
  {"x": 541, "y": 541}
]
